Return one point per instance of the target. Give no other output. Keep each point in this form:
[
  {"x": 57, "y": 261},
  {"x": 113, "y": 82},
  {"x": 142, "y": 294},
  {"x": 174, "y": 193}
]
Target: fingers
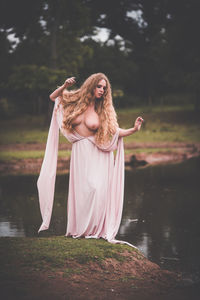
[
  {"x": 140, "y": 119},
  {"x": 138, "y": 123},
  {"x": 70, "y": 81}
]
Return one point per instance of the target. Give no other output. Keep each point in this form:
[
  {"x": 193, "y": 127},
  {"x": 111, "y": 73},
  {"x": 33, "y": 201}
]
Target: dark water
[{"x": 160, "y": 216}]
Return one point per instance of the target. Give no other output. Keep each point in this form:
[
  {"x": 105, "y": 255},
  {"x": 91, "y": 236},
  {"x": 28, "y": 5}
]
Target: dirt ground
[
  {"x": 134, "y": 278},
  {"x": 167, "y": 152}
]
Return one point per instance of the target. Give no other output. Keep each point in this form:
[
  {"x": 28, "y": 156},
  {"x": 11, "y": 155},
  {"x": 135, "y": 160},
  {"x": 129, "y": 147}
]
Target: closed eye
[{"x": 99, "y": 86}]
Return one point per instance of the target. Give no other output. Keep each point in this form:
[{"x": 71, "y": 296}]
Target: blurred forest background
[{"x": 150, "y": 52}]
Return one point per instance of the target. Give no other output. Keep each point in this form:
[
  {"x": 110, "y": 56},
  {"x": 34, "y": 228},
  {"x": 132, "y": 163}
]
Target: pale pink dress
[{"x": 96, "y": 184}]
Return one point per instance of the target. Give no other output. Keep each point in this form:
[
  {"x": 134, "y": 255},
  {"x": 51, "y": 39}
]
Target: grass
[
  {"x": 54, "y": 253},
  {"x": 157, "y": 132},
  {"x": 68, "y": 272},
  {"x": 157, "y": 108},
  {"x": 37, "y": 154},
  {"x": 55, "y": 267},
  {"x": 162, "y": 123},
  {"x": 170, "y": 124},
  {"x": 21, "y": 154}
]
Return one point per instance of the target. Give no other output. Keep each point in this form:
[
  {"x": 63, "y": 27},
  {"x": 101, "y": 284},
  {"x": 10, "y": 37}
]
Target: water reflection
[
  {"x": 165, "y": 200},
  {"x": 160, "y": 216},
  {"x": 10, "y": 228}
]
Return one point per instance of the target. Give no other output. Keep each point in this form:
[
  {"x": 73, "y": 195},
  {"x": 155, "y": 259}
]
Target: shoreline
[{"x": 136, "y": 155}]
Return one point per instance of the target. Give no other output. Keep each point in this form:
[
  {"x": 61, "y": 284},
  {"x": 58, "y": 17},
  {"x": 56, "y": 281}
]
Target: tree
[
  {"x": 49, "y": 34},
  {"x": 184, "y": 44}
]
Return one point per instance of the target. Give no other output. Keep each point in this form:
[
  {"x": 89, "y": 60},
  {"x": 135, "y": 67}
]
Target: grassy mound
[{"x": 66, "y": 268}]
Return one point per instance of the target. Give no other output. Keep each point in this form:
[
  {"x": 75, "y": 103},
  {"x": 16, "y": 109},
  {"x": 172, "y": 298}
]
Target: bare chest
[{"x": 89, "y": 119}]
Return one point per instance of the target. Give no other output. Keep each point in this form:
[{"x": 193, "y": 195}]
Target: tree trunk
[
  {"x": 53, "y": 62},
  {"x": 53, "y": 49},
  {"x": 150, "y": 100},
  {"x": 40, "y": 102},
  {"x": 196, "y": 102}
]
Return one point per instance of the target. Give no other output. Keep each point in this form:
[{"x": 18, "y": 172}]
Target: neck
[{"x": 92, "y": 103}]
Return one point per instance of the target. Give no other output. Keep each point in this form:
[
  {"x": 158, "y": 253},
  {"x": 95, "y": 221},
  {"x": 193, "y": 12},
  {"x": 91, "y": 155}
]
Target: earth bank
[
  {"x": 64, "y": 268},
  {"x": 136, "y": 154}
]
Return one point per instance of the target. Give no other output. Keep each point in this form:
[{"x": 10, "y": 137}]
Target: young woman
[{"x": 86, "y": 117}]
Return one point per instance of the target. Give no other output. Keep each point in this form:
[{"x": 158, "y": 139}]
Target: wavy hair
[{"x": 75, "y": 102}]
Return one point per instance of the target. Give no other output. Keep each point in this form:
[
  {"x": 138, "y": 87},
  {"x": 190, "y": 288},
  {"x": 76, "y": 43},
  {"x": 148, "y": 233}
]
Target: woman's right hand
[{"x": 69, "y": 82}]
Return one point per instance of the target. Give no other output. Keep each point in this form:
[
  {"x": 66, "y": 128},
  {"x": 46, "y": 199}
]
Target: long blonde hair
[{"x": 75, "y": 102}]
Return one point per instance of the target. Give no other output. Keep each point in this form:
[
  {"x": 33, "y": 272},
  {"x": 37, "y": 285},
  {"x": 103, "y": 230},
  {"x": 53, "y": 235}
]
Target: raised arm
[
  {"x": 68, "y": 82},
  {"x": 137, "y": 126}
]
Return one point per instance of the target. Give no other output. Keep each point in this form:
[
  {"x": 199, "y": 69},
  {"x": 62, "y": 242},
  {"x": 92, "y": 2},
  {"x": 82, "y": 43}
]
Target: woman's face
[{"x": 100, "y": 89}]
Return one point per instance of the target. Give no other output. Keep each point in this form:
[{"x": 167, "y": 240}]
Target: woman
[{"x": 86, "y": 117}]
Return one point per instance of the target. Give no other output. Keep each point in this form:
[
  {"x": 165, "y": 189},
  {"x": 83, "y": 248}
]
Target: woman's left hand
[
  {"x": 138, "y": 123},
  {"x": 137, "y": 126}
]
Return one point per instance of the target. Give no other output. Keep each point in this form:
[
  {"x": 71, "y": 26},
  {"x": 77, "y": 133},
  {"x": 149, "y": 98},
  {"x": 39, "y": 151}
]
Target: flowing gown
[{"x": 96, "y": 183}]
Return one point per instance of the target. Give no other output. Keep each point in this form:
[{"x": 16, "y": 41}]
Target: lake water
[{"x": 160, "y": 216}]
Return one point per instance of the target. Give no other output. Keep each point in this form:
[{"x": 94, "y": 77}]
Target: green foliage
[
  {"x": 152, "y": 48},
  {"x": 7, "y": 109},
  {"x": 35, "y": 79}
]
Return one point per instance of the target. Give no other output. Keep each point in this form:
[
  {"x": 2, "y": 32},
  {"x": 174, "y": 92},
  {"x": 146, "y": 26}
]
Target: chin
[{"x": 99, "y": 97}]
